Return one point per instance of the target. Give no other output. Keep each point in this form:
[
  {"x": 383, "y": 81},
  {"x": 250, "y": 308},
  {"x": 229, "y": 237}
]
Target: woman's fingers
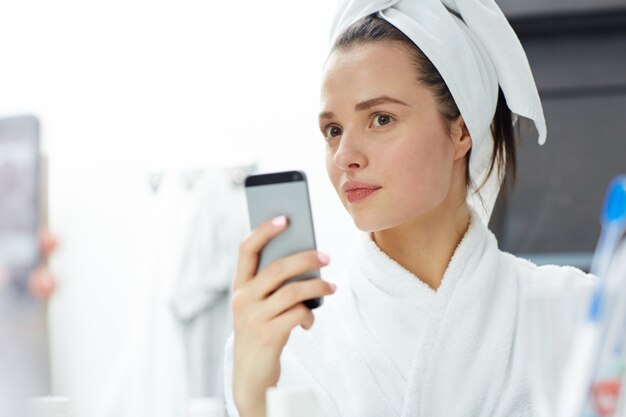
[
  {"x": 41, "y": 283},
  {"x": 47, "y": 243},
  {"x": 251, "y": 246},
  {"x": 296, "y": 315},
  {"x": 272, "y": 277},
  {"x": 264, "y": 312},
  {"x": 293, "y": 294}
]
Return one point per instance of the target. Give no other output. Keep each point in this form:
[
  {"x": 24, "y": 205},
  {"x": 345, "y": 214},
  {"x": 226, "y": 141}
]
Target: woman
[{"x": 417, "y": 108}]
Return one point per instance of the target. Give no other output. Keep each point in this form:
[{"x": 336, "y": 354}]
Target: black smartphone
[
  {"x": 19, "y": 197},
  {"x": 283, "y": 193}
]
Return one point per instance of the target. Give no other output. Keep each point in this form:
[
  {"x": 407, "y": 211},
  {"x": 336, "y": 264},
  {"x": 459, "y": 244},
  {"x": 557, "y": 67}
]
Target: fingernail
[
  {"x": 323, "y": 257},
  {"x": 333, "y": 287},
  {"x": 279, "y": 221}
]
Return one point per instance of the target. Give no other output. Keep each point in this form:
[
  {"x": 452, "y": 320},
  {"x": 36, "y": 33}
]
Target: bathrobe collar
[
  {"x": 465, "y": 351},
  {"x": 385, "y": 273}
]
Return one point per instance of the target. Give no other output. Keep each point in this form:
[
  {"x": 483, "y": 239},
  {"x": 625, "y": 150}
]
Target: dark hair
[{"x": 375, "y": 29}]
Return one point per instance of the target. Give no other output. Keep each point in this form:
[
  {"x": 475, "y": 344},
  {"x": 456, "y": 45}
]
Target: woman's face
[{"x": 383, "y": 128}]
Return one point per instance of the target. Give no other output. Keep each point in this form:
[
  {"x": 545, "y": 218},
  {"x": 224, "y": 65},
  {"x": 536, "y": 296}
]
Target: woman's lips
[{"x": 359, "y": 194}]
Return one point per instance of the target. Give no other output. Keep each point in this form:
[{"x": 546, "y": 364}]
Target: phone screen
[
  {"x": 283, "y": 193},
  {"x": 19, "y": 196}
]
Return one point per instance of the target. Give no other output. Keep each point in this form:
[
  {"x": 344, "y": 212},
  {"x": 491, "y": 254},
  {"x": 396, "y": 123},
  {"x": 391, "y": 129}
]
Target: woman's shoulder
[{"x": 557, "y": 275}]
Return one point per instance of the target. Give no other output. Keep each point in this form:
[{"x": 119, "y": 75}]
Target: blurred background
[
  {"x": 152, "y": 112},
  {"x": 577, "y": 51}
]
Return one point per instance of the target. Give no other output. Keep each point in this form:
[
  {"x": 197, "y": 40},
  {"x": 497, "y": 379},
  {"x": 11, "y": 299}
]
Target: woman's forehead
[
  {"x": 370, "y": 57},
  {"x": 365, "y": 71}
]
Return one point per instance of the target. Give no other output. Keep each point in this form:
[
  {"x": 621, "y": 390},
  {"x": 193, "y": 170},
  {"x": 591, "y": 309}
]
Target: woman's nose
[{"x": 350, "y": 153}]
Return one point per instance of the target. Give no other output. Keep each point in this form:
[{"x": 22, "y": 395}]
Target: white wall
[{"x": 127, "y": 87}]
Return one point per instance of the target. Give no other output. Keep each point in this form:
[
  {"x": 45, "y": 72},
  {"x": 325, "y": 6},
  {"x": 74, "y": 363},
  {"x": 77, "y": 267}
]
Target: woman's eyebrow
[
  {"x": 366, "y": 105},
  {"x": 327, "y": 115}
]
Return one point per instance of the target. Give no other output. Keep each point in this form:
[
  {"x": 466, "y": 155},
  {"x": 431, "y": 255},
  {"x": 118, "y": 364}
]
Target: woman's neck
[{"x": 424, "y": 246}]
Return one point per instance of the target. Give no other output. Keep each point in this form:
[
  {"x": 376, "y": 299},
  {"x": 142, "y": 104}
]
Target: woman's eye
[
  {"x": 332, "y": 131},
  {"x": 381, "y": 120}
]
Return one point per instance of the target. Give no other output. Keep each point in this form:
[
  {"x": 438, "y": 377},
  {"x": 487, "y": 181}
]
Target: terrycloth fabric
[
  {"x": 403, "y": 304},
  {"x": 474, "y": 48},
  {"x": 467, "y": 361}
]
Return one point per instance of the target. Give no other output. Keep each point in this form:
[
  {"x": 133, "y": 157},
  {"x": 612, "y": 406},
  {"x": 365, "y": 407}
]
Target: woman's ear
[{"x": 461, "y": 138}]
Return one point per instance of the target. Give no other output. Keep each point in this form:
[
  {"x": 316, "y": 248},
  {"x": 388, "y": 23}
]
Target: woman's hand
[
  {"x": 41, "y": 281},
  {"x": 264, "y": 313}
]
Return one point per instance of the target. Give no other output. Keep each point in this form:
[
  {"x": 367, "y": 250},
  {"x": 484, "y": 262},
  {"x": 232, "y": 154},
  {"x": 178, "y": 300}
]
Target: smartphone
[
  {"x": 19, "y": 198},
  {"x": 283, "y": 193}
]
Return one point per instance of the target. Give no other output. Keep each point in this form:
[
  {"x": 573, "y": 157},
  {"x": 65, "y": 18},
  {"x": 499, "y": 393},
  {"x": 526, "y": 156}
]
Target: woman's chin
[{"x": 365, "y": 224}]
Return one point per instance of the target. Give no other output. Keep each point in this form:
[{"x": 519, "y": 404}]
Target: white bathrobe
[{"x": 386, "y": 345}]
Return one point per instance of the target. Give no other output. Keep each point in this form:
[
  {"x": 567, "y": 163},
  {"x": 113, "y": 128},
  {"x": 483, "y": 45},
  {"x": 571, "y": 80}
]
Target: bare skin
[{"x": 42, "y": 283}]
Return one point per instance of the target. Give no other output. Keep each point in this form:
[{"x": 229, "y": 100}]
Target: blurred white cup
[
  {"x": 206, "y": 407},
  {"x": 551, "y": 312},
  {"x": 291, "y": 402},
  {"x": 49, "y": 407}
]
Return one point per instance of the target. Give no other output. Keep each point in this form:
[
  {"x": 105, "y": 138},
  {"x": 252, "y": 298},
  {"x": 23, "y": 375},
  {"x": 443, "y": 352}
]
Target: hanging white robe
[{"x": 453, "y": 352}]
